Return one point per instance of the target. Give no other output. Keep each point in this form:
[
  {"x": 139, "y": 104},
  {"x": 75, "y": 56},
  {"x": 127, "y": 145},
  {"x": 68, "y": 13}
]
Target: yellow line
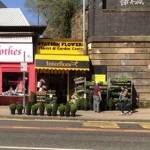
[{"x": 101, "y": 124}]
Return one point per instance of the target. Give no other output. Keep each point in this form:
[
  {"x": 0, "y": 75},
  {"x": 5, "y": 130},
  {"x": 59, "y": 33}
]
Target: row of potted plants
[{"x": 64, "y": 110}]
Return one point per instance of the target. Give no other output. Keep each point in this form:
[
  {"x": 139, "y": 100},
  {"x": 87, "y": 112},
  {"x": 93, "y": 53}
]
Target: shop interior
[{"x": 10, "y": 79}]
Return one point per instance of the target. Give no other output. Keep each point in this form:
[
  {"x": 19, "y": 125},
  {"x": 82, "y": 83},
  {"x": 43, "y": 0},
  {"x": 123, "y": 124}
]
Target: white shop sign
[
  {"x": 15, "y": 52},
  {"x": 13, "y": 39}
]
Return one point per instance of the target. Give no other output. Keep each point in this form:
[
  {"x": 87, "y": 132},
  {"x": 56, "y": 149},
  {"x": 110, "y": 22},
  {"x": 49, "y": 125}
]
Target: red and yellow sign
[{"x": 50, "y": 46}]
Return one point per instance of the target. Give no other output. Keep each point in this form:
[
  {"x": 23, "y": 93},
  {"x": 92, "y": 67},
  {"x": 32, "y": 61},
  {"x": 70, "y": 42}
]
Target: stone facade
[{"x": 125, "y": 59}]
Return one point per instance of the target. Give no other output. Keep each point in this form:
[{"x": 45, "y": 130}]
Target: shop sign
[
  {"x": 49, "y": 46},
  {"x": 13, "y": 39},
  {"x": 15, "y": 52},
  {"x": 23, "y": 66},
  {"x": 99, "y": 77},
  {"x": 62, "y": 64}
]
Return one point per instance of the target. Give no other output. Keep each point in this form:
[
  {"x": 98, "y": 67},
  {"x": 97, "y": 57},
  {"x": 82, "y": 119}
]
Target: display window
[{"x": 14, "y": 81}]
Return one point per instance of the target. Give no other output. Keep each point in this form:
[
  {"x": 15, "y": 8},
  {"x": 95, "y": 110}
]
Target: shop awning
[{"x": 62, "y": 62}]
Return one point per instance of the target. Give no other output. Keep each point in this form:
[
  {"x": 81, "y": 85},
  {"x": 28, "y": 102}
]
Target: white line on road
[{"x": 37, "y": 148}]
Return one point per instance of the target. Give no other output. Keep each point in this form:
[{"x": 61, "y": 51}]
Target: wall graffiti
[{"x": 131, "y": 2}]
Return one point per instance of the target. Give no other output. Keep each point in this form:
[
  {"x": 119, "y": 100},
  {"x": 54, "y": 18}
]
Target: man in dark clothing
[{"x": 96, "y": 97}]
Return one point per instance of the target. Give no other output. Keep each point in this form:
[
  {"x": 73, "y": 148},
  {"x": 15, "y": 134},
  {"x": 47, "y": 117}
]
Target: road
[{"x": 73, "y": 135}]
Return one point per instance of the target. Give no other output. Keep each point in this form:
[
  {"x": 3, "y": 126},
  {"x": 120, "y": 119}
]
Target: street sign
[{"x": 23, "y": 66}]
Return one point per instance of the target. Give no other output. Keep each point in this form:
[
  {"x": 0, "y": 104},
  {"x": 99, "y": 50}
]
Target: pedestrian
[
  {"x": 96, "y": 97},
  {"x": 123, "y": 96}
]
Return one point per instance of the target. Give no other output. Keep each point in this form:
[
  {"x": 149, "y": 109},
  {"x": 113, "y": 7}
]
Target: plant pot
[
  {"x": 12, "y": 111},
  {"x": 67, "y": 113},
  {"x": 34, "y": 113},
  {"x": 73, "y": 114},
  {"x": 61, "y": 113},
  {"x": 41, "y": 113},
  {"x": 49, "y": 113},
  {"x": 54, "y": 113},
  {"x": 19, "y": 112},
  {"x": 28, "y": 112}
]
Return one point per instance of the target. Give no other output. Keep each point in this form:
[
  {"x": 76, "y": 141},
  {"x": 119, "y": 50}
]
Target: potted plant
[
  {"x": 49, "y": 109},
  {"x": 33, "y": 98},
  {"x": 54, "y": 108},
  {"x": 28, "y": 108},
  {"x": 73, "y": 110},
  {"x": 34, "y": 109},
  {"x": 41, "y": 108},
  {"x": 86, "y": 104},
  {"x": 12, "y": 108},
  {"x": 19, "y": 108},
  {"x": 67, "y": 109},
  {"x": 61, "y": 109}
]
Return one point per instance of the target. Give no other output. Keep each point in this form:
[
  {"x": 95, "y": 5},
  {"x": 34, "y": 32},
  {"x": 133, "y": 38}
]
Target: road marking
[
  {"x": 38, "y": 119},
  {"x": 100, "y": 124},
  {"x": 37, "y": 148},
  {"x": 145, "y": 125}
]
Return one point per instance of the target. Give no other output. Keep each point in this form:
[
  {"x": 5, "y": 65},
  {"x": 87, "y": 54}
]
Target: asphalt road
[{"x": 62, "y": 135}]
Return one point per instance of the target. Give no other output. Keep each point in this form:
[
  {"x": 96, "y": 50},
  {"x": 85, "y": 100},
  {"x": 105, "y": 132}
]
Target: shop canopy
[{"x": 62, "y": 62}]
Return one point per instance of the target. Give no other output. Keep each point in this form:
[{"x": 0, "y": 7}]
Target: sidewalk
[{"x": 137, "y": 116}]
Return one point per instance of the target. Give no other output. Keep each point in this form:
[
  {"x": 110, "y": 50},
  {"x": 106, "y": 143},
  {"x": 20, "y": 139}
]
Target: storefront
[
  {"x": 13, "y": 51},
  {"x": 58, "y": 62}
]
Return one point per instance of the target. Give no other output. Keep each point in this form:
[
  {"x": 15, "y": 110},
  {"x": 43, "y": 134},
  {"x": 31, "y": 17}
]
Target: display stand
[{"x": 115, "y": 88}]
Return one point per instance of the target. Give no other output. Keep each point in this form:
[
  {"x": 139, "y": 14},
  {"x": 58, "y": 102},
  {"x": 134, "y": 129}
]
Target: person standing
[
  {"x": 124, "y": 100},
  {"x": 96, "y": 97}
]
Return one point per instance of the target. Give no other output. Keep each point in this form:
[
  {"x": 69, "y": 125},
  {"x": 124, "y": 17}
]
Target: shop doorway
[
  {"x": 58, "y": 82},
  {"x": 55, "y": 81}
]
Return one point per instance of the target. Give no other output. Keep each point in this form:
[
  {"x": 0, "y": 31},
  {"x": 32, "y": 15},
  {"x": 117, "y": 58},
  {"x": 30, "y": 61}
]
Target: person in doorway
[
  {"x": 19, "y": 87},
  {"x": 96, "y": 97},
  {"x": 40, "y": 84},
  {"x": 123, "y": 96}
]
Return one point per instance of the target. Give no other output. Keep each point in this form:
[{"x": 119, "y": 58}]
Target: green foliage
[
  {"x": 109, "y": 103},
  {"x": 57, "y": 14},
  {"x": 78, "y": 103},
  {"x": 19, "y": 107},
  {"x": 55, "y": 106},
  {"x": 61, "y": 108},
  {"x": 12, "y": 106},
  {"x": 34, "y": 107},
  {"x": 73, "y": 108},
  {"x": 28, "y": 105},
  {"x": 48, "y": 107},
  {"x": 86, "y": 103},
  {"x": 33, "y": 98},
  {"x": 41, "y": 106},
  {"x": 67, "y": 107}
]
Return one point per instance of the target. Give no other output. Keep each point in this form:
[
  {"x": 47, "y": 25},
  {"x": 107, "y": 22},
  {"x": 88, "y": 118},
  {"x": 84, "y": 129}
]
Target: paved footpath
[{"x": 138, "y": 115}]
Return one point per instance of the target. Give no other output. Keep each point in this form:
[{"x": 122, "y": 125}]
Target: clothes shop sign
[
  {"x": 15, "y": 52},
  {"x": 49, "y": 46}
]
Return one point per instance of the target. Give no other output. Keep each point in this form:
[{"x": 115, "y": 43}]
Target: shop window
[{"x": 10, "y": 79}]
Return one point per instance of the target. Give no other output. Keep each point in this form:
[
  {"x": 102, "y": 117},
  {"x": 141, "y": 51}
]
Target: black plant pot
[
  {"x": 41, "y": 113},
  {"x": 28, "y": 112},
  {"x": 34, "y": 113},
  {"x": 73, "y": 114},
  {"x": 62, "y": 113},
  {"x": 19, "y": 112},
  {"x": 54, "y": 113},
  {"x": 12, "y": 111},
  {"x": 49, "y": 113},
  {"x": 67, "y": 113}
]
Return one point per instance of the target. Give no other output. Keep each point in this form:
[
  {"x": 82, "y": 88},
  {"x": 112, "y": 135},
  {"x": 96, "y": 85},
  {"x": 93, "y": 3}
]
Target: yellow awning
[
  {"x": 62, "y": 57},
  {"x": 62, "y": 62}
]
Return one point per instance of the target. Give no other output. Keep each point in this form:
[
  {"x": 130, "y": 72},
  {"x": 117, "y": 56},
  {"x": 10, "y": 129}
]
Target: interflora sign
[
  {"x": 12, "y": 49},
  {"x": 50, "y": 46}
]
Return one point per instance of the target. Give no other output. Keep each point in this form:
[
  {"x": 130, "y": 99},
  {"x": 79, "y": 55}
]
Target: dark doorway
[{"x": 58, "y": 82}]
